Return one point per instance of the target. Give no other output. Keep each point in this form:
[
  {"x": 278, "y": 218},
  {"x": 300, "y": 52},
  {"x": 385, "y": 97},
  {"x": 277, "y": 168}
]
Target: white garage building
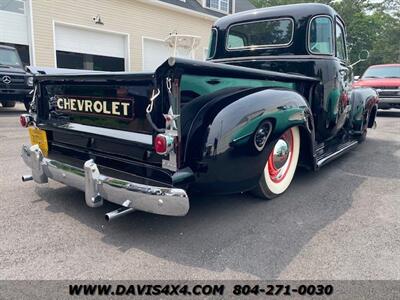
[{"x": 108, "y": 35}]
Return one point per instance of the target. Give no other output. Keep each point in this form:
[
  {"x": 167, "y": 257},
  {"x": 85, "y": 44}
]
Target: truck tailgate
[{"x": 94, "y": 114}]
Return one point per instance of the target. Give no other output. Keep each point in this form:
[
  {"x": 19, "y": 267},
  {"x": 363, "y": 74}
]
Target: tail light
[
  {"x": 25, "y": 120},
  {"x": 163, "y": 144}
]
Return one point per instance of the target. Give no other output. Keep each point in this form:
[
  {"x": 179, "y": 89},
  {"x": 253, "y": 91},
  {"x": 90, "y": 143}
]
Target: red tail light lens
[
  {"x": 25, "y": 120},
  {"x": 160, "y": 144},
  {"x": 163, "y": 144}
]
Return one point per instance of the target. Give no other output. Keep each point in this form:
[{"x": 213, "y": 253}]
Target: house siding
[{"x": 134, "y": 18}]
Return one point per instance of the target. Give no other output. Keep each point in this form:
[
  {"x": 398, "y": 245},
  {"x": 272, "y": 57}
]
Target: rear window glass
[{"x": 278, "y": 32}]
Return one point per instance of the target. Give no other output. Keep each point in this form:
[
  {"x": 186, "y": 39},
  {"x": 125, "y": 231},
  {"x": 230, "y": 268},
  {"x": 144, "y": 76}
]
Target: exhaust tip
[
  {"x": 26, "y": 178},
  {"x": 122, "y": 211}
]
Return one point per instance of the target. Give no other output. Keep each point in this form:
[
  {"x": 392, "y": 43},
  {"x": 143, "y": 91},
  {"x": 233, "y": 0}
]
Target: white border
[{"x": 127, "y": 40}]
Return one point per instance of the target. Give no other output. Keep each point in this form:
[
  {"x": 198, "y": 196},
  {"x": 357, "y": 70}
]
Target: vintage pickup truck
[{"x": 275, "y": 94}]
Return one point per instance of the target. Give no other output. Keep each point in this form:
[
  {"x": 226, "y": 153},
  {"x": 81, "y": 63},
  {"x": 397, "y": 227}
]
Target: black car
[{"x": 15, "y": 83}]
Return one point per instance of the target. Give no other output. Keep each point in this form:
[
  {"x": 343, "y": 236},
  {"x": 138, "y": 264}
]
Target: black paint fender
[
  {"x": 221, "y": 137},
  {"x": 364, "y": 105}
]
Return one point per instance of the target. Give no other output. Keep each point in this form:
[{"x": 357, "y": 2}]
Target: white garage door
[
  {"x": 79, "y": 40},
  {"x": 14, "y": 22},
  {"x": 155, "y": 52}
]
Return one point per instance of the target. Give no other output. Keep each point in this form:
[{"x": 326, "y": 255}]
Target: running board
[{"x": 342, "y": 149}]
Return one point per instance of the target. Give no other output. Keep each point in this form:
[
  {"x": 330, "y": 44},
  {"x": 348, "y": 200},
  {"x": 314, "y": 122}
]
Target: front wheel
[{"x": 281, "y": 165}]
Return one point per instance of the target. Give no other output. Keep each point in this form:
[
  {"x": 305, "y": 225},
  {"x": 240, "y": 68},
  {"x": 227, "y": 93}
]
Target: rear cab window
[{"x": 260, "y": 34}]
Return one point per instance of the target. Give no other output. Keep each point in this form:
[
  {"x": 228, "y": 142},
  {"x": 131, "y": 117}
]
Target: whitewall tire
[{"x": 281, "y": 165}]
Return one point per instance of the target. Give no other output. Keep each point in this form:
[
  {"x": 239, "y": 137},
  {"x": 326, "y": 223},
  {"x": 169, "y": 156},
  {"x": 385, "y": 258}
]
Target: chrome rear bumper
[{"x": 157, "y": 200}]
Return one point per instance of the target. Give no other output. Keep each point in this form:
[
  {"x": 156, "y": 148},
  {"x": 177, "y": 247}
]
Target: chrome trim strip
[
  {"x": 389, "y": 100},
  {"x": 168, "y": 201},
  {"x": 270, "y": 57},
  {"x": 335, "y": 154},
  {"x": 383, "y": 90},
  {"x": 125, "y": 135}
]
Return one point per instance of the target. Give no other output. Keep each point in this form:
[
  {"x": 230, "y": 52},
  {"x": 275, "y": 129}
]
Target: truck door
[{"x": 343, "y": 77}]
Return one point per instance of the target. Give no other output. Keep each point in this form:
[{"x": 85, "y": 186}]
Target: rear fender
[
  {"x": 364, "y": 103},
  {"x": 225, "y": 139}
]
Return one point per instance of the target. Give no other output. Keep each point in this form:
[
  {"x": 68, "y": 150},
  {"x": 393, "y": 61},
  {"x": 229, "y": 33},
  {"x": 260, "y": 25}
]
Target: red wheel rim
[{"x": 277, "y": 174}]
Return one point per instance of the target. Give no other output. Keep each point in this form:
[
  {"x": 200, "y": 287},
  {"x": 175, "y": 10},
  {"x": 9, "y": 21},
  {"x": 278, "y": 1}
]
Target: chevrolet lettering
[
  {"x": 272, "y": 96},
  {"x": 110, "y": 107}
]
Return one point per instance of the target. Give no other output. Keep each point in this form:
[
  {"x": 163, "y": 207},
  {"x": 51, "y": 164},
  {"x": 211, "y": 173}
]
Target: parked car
[
  {"x": 15, "y": 83},
  {"x": 274, "y": 95},
  {"x": 386, "y": 80}
]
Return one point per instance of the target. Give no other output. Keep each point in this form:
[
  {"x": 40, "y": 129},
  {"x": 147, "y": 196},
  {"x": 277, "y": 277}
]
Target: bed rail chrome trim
[{"x": 125, "y": 135}]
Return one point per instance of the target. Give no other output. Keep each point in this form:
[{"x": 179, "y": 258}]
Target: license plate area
[{"x": 39, "y": 137}]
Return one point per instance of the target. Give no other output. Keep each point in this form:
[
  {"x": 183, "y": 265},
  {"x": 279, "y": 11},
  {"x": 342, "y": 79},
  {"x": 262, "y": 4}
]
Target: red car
[{"x": 386, "y": 80}]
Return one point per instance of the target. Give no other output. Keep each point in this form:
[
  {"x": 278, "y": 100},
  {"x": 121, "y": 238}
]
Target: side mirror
[
  {"x": 362, "y": 56},
  {"x": 357, "y": 77}
]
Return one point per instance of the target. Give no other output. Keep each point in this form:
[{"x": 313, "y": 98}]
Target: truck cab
[{"x": 308, "y": 39}]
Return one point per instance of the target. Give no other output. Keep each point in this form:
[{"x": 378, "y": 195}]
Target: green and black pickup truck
[{"x": 275, "y": 94}]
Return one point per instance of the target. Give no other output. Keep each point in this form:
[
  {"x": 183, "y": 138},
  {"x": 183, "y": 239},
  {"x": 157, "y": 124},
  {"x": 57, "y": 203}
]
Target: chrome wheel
[{"x": 280, "y": 159}]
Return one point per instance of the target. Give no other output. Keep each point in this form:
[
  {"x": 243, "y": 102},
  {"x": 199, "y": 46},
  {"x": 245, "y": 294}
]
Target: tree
[{"x": 373, "y": 26}]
